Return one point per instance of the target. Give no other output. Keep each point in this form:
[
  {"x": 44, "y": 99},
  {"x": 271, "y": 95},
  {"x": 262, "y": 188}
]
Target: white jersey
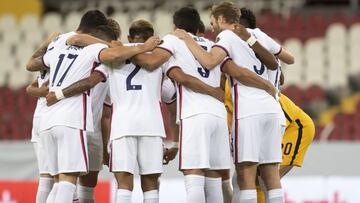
[
  {"x": 98, "y": 96},
  {"x": 247, "y": 100},
  {"x": 41, "y": 102},
  {"x": 68, "y": 65},
  {"x": 135, "y": 96},
  {"x": 190, "y": 103},
  {"x": 168, "y": 91},
  {"x": 273, "y": 47}
]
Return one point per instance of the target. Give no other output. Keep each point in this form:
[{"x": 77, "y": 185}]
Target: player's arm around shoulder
[
  {"x": 82, "y": 40},
  {"x": 264, "y": 55},
  {"x": 207, "y": 59},
  {"x": 35, "y": 63},
  {"x": 121, "y": 53},
  {"x": 151, "y": 61},
  {"x": 247, "y": 77},
  {"x": 76, "y": 88},
  {"x": 193, "y": 83}
]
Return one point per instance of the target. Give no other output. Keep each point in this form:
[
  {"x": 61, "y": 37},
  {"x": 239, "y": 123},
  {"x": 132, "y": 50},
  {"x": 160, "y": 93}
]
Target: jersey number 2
[
  {"x": 61, "y": 59},
  {"x": 129, "y": 86}
]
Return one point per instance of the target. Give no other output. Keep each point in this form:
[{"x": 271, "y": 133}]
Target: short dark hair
[
  {"x": 91, "y": 19},
  {"x": 114, "y": 25},
  {"x": 201, "y": 28},
  {"x": 187, "y": 18},
  {"x": 141, "y": 28},
  {"x": 229, "y": 11},
  {"x": 104, "y": 32},
  {"x": 247, "y": 18}
]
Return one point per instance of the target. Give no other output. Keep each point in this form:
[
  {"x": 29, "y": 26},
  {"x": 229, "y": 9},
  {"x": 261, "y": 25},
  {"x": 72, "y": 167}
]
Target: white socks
[
  {"x": 247, "y": 196},
  {"x": 276, "y": 196},
  {"x": 52, "y": 194},
  {"x": 44, "y": 188},
  {"x": 213, "y": 190},
  {"x": 123, "y": 196},
  {"x": 65, "y": 192},
  {"x": 194, "y": 185},
  {"x": 227, "y": 191},
  {"x": 85, "y": 194},
  {"x": 151, "y": 196}
]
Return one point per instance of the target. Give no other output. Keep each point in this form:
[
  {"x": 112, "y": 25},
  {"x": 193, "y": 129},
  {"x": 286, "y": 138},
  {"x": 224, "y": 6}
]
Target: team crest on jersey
[{"x": 217, "y": 39}]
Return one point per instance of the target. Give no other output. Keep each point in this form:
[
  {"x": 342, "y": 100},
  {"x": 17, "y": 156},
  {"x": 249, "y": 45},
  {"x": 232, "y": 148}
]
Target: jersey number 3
[{"x": 130, "y": 86}]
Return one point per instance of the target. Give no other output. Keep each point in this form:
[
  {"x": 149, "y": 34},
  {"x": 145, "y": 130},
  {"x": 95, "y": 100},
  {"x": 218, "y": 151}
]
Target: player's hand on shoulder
[
  {"x": 241, "y": 31},
  {"x": 51, "y": 99},
  {"x": 180, "y": 33},
  {"x": 151, "y": 43}
]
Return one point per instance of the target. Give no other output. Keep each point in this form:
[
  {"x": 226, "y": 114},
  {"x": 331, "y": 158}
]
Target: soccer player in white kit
[
  {"x": 69, "y": 165},
  {"x": 257, "y": 128},
  {"x": 96, "y": 141}
]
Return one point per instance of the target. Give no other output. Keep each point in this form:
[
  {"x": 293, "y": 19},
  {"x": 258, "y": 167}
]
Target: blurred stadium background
[{"x": 324, "y": 36}]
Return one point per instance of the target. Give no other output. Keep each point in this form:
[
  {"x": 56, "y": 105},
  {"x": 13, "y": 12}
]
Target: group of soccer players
[{"x": 99, "y": 103}]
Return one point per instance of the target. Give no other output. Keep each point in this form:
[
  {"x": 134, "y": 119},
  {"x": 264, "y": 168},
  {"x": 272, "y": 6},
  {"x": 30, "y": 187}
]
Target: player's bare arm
[
  {"x": 195, "y": 84},
  {"x": 121, "y": 53},
  {"x": 264, "y": 55},
  {"x": 35, "y": 62},
  {"x": 153, "y": 60},
  {"x": 286, "y": 56},
  {"x": 84, "y": 40},
  {"x": 76, "y": 88},
  {"x": 34, "y": 90},
  {"x": 105, "y": 132},
  {"x": 171, "y": 153},
  {"x": 208, "y": 60},
  {"x": 247, "y": 77}
]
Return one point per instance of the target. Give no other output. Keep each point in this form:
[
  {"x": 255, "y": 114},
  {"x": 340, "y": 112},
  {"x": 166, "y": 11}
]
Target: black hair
[
  {"x": 187, "y": 18},
  {"x": 247, "y": 18},
  {"x": 201, "y": 28},
  {"x": 90, "y": 20},
  {"x": 104, "y": 32}
]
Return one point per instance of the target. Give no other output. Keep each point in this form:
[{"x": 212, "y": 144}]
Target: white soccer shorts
[
  {"x": 66, "y": 150},
  {"x": 146, "y": 151},
  {"x": 204, "y": 143},
  {"x": 38, "y": 147},
  {"x": 257, "y": 139}
]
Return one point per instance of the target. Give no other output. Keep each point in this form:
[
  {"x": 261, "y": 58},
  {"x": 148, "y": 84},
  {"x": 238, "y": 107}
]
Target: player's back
[
  {"x": 68, "y": 65},
  {"x": 135, "y": 95},
  {"x": 190, "y": 102},
  {"x": 249, "y": 100}
]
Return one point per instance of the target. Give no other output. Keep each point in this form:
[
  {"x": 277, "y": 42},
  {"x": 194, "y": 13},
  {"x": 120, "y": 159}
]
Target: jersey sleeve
[
  {"x": 167, "y": 43},
  {"x": 223, "y": 41},
  {"x": 168, "y": 91},
  {"x": 46, "y": 58},
  {"x": 272, "y": 45},
  {"x": 103, "y": 70},
  {"x": 169, "y": 65},
  {"x": 95, "y": 50}
]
